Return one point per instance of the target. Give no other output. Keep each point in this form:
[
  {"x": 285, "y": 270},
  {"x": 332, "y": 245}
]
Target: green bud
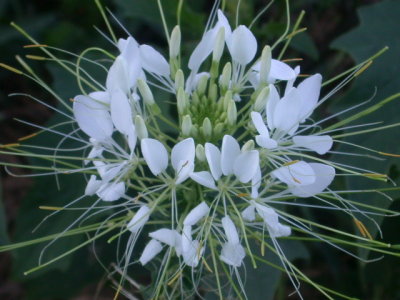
[
  {"x": 179, "y": 80},
  {"x": 207, "y": 128},
  {"x": 227, "y": 99},
  {"x": 200, "y": 153},
  {"x": 213, "y": 92},
  {"x": 146, "y": 93},
  {"x": 219, "y": 45},
  {"x": 232, "y": 113},
  {"x": 175, "y": 42},
  {"x": 226, "y": 76},
  {"x": 265, "y": 65},
  {"x": 219, "y": 129},
  {"x": 195, "y": 131},
  {"x": 182, "y": 101},
  {"x": 248, "y": 146},
  {"x": 261, "y": 99},
  {"x": 186, "y": 125},
  {"x": 202, "y": 84},
  {"x": 140, "y": 126}
]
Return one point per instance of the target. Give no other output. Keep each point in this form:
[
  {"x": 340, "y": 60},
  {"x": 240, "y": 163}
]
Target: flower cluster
[{"x": 199, "y": 188}]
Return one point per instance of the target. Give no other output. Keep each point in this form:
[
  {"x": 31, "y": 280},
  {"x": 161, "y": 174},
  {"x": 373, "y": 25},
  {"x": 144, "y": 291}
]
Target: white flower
[{"x": 232, "y": 251}]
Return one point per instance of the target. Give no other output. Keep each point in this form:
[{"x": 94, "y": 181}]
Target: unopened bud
[
  {"x": 207, "y": 128},
  {"x": 186, "y": 125},
  {"x": 219, "y": 45},
  {"x": 261, "y": 99},
  {"x": 175, "y": 42},
  {"x": 182, "y": 101},
  {"x": 202, "y": 84},
  {"x": 179, "y": 80},
  {"x": 248, "y": 146},
  {"x": 226, "y": 76},
  {"x": 265, "y": 65},
  {"x": 140, "y": 126},
  {"x": 146, "y": 93},
  {"x": 232, "y": 113},
  {"x": 213, "y": 92},
  {"x": 227, "y": 99},
  {"x": 219, "y": 129},
  {"x": 200, "y": 153}
]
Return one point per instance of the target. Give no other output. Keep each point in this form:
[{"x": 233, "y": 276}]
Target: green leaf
[{"x": 378, "y": 28}]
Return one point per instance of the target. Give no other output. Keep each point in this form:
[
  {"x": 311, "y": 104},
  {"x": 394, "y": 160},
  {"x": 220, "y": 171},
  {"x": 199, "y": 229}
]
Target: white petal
[
  {"x": 249, "y": 213},
  {"x": 93, "y": 118},
  {"x": 309, "y": 90},
  {"x": 111, "y": 191},
  {"x": 193, "y": 254},
  {"x": 204, "y": 178},
  {"x": 280, "y": 71},
  {"x": 213, "y": 156},
  {"x": 139, "y": 219},
  {"x": 246, "y": 165},
  {"x": 256, "y": 183},
  {"x": 153, "y": 61},
  {"x": 202, "y": 50},
  {"x": 121, "y": 112},
  {"x": 324, "y": 175},
  {"x": 155, "y": 155},
  {"x": 232, "y": 254},
  {"x": 184, "y": 170},
  {"x": 183, "y": 151},
  {"x": 318, "y": 143},
  {"x": 167, "y": 236},
  {"x": 266, "y": 142},
  {"x": 112, "y": 171},
  {"x": 272, "y": 100},
  {"x": 297, "y": 174},
  {"x": 92, "y": 186},
  {"x": 242, "y": 45},
  {"x": 230, "y": 230},
  {"x": 186, "y": 238},
  {"x": 230, "y": 150},
  {"x": 280, "y": 230},
  {"x": 150, "y": 251},
  {"x": 223, "y": 22},
  {"x": 118, "y": 76},
  {"x": 103, "y": 97},
  {"x": 259, "y": 124},
  {"x": 287, "y": 112},
  {"x": 196, "y": 214},
  {"x": 125, "y": 44}
]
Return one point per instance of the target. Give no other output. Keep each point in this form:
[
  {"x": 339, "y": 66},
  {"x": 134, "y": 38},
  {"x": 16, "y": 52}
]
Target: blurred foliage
[{"x": 68, "y": 24}]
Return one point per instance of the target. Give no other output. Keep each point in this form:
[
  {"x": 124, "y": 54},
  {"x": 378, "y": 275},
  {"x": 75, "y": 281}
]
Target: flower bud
[
  {"x": 219, "y": 45},
  {"x": 248, "y": 146},
  {"x": 232, "y": 113},
  {"x": 202, "y": 85},
  {"x": 207, "y": 128},
  {"x": 182, "y": 101},
  {"x": 179, "y": 80},
  {"x": 200, "y": 153},
  {"x": 261, "y": 99},
  {"x": 265, "y": 65},
  {"x": 219, "y": 129},
  {"x": 227, "y": 99},
  {"x": 186, "y": 125},
  {"x": 145, "y": 91},
  {"x": 175, "y": 42},
  {"x": 226, "y": 76},
  {"x": 140, "y": 126},
  {"x": 213, "y": 92}
]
